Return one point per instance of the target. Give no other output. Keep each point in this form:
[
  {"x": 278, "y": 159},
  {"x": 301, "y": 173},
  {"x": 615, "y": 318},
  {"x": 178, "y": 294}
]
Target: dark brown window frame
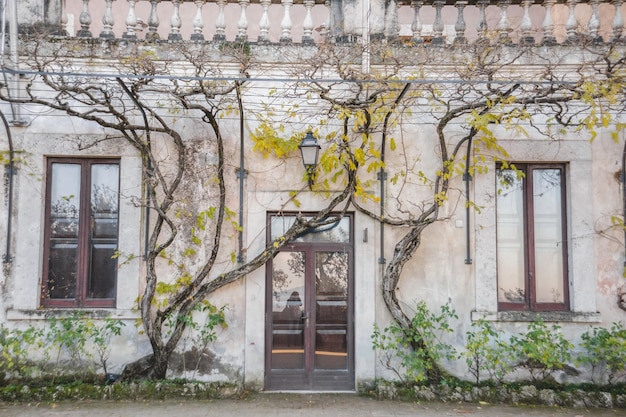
[
  {"x": 81, "y": 300},
  {"x": 531, "y": 303}
]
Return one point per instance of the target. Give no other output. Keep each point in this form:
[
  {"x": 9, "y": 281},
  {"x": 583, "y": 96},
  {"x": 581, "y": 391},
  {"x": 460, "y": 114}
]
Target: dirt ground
[{"x": 289, "y": 405}]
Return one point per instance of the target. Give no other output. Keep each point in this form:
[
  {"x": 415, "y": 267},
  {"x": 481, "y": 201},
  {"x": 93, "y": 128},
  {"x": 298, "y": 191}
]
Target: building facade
[{"x": 528, "y": 227}]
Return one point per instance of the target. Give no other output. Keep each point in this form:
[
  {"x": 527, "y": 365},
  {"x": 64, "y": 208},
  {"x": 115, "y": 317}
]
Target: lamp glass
[{"x": 310, "y": 150}]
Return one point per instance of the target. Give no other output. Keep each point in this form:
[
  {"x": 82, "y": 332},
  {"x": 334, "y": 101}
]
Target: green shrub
[
  {"x": 15, "y": 346},
  {"x": 70, "y": 334},
  {"x": 605, "y": 351},
  {"x": 101, "y": 336},
  {"x": 420, "y": 347},
  {"x": 541, "y": 350},
  {"x": 486, "y": 353}
]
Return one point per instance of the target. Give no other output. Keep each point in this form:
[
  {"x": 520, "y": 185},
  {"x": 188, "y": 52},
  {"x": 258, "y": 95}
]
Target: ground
[{"x": 289, "y": 405}]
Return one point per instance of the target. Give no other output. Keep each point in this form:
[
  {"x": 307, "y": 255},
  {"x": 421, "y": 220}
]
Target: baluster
[
  {"x": 153, "y": 21},
  {"x": 504, "y": 27},
  {"x": 307, "y": 25},
  {"x": 220, "y": 24},
  {"x": 198, "y": 22},
  {"x": 264, "y": 23},
  {"x": 85, "y": 21},
  {"x": 131, "y": 22},
  {"x": 481, "y": 27},
  {"x": 572, "y": 24},
  {"x": 286, "y": 23},
  {"x": 527, "y": 25},
  {"x": 459, "y": 27},
  {"x": 175, "y": 23},
  {"x": 618, "y": 22},
  {"x": 416, "y": 26},
  {"x": 108, "y": 21},
  {"x": 326, "y": 24},
  {"x": 438, "y": 24},
  {"x": 548, "y": 24},
  {"x": 64, "y": 31},
  {"x": 242, "y": 24},
  {"x": 594, "y": 22}
]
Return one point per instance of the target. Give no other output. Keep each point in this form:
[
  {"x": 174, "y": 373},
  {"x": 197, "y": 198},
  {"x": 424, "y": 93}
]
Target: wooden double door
[{"x": 309, "y": 310}]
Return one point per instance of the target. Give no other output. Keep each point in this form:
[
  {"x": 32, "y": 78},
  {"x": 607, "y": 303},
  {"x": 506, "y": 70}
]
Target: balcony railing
[{"x": 312, "y": 21}]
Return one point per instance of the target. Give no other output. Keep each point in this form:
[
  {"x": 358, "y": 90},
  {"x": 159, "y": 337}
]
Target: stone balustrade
[{"x": 435, "y": 22}]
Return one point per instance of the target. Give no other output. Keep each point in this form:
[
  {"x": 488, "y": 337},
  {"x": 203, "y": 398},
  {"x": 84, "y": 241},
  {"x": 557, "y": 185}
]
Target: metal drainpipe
[
  {"x": 7, "y": 258},
  {"x": 241, "y": 174},
  {"x": 624, "y": 198},
  {"x": 15, "y": 82},
  {"x": 467, "y": 179},
  {"x": 382, "y": 176}
]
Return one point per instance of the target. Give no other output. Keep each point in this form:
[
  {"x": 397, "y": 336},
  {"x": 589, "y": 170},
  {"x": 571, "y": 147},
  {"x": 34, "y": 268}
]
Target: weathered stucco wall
[{"x": 438, "y": 274}]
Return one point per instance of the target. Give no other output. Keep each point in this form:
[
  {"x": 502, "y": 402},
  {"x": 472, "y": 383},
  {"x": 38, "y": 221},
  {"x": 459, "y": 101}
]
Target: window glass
[
  {"x": 104, "y": 219},
  {"x": 338, "y": 232},
  {"x": 510, "y": 247},
  {"x": 64, "y": 227},
  {"x": 81, "y": 233},
  {"x": 531, "y": 244},
  {"x": 548, "y": 235}
]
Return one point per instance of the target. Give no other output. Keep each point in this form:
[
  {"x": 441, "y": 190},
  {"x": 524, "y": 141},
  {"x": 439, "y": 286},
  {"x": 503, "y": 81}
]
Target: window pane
[
  {"x": 288, "y": 298},
  {"x": 510, "y": 237},
  {"x": 104, "y": 227},
  {"x": 64, "y": 216},
  {"x": 336, "y": 232},
  {"x": 331, "y": 299},
  {"x": 548, "y": 235},
  {"x": 62, "y": 269},
  {"x": 64, "y": 200},
  {"x": 103, "y": 270}
]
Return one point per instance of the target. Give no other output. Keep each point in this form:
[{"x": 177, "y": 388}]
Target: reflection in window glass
[
  {"x": 336, "y": 232},
  {"x": 510, "y": 242},
  {"x": 331, "y": 333},
  {"x": 288, "y": 297},
  {"x": 531, "y": 240},
  {"x": 548, "y": 235},
  {"x": 82, "y": 232}
]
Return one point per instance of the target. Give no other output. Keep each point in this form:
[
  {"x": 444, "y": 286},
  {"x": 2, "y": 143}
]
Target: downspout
[
  {"x": 13, "y": 85},
  {"x": 7, "y": 258},
  {"x": 241, "y": 173},
  {"x": 624, "y": 200},
  {"x": 467, "y": 178}
]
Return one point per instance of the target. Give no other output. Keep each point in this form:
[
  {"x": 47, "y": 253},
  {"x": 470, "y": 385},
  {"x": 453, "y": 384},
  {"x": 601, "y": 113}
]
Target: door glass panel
[
  {"x": 510, "y": 239},
  {"x": 288, "y": 298},
  {"x": 64, "y": 210},
  {"x": 331, "y": 299},
  {"x": 335, "y": 232},
  {"x": 104, "y": 226},
  {"x": 548, "y": 235}
]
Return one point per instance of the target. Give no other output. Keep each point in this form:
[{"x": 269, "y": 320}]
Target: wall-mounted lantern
[{"x": 310, "y": 150}]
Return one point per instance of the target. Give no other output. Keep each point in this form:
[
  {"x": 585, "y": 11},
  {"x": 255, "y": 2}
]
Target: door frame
[{"x": 309, "y": 378}]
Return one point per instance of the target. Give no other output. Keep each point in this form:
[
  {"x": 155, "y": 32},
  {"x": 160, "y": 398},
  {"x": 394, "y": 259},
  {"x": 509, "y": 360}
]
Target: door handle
[{"x": 305, "y": 315}]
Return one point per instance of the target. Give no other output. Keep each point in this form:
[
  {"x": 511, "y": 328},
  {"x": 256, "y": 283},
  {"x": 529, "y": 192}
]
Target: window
[
  {"x": 531, "y": 238},
  {"x": 81, "y": 231}
]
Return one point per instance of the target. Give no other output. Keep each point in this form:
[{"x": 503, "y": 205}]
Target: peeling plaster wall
[{"x": 437, "y": 274}]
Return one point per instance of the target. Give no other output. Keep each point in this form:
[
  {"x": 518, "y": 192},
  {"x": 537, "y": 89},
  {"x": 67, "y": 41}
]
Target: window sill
[
  {"x": 94, "y": 313},
  {"x": 527, "y": 316}
]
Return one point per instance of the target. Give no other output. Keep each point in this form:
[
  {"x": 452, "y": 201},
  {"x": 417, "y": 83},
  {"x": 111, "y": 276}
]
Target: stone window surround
[
  {"x": 576, "y": 154},
  {"x": 28, "y": 235}
]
